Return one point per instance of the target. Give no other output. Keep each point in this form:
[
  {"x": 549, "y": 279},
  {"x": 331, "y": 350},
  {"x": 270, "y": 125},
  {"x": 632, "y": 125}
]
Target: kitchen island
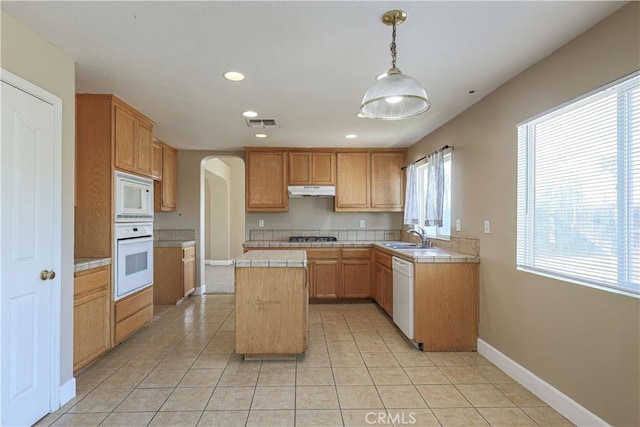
[{"x": 271, "y": 303}]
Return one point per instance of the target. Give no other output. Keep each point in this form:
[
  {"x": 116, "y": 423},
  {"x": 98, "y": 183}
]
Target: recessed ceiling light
[
  {"x": 360, "y": 116},
  {"x": 234, "y": 76},
  {"x": 260, "y": 135},
  {"x": 250, "y": 113},
  {"x": 351, "y": 136}
]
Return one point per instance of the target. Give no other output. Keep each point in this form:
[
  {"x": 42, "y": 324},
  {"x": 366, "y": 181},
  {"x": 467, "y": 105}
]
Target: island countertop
[{"x": 272, "y": 258}]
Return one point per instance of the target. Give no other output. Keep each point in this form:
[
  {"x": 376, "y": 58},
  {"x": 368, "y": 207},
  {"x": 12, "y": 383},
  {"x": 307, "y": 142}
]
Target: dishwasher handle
[{"x": 403, "y": 266}]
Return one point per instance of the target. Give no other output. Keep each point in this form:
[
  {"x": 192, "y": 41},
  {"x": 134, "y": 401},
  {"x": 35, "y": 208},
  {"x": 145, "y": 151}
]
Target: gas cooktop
[{"x": 312, "y": 239}]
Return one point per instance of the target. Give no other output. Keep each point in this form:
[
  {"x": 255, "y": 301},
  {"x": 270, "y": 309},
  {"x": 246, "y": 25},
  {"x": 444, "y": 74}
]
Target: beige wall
[
  {"x": 317, "y": 214},
  {"x": 236, "y": 206},
  {"x": 583, "y": 341},
  {"x": 29, "y": 56},
  {"x": 217, "y": 224}
]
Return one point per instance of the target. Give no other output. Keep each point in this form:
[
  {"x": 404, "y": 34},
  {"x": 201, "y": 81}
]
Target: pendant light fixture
[{"x": 394, "y": 96}]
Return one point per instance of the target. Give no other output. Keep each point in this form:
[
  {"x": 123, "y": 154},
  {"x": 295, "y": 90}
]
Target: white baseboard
[
  {"x": 67, "y": 391},
  {"x": 218, "y": 262},
  {"x": 200, "y": 290},
  {"x": 569, "y": 408}
]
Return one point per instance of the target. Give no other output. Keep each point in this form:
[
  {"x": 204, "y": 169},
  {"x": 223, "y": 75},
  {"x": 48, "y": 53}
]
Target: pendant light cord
[{"x": 393, "y": 46}]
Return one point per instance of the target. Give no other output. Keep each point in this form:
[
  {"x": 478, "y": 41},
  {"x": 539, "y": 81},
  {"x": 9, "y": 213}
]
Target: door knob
[{"x": 47, "y": 275}]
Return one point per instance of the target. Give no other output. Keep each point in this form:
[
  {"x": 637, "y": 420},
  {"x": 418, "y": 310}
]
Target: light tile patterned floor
[{"x": 180, "y": 370}]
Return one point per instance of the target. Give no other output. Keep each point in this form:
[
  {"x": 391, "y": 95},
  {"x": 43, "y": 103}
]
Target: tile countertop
[
  {"x": 431, "y": 255},
  {"x": 81, "y": 264},
  {"x": 280, "y": 258},
  {"x": 173, "y": 243}
]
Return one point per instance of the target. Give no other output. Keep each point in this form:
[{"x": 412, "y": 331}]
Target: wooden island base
[{"x": 271, "y": 311}]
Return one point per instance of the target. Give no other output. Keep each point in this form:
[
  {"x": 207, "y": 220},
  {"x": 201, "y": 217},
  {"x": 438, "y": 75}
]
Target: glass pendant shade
[{"x": 394, "y": 96}]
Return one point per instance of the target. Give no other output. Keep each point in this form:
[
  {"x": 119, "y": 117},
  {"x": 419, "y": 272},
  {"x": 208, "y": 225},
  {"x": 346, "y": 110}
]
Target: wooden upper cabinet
[
  {"x": 145, "y": 148},
  {"x": 125, "y": 139},
  {"x": 156, "y": 160},
  {"x": 165, "y": 190},
  {"x": 266, "y": 181},
  {"x": 387, "y": 181},
  {"x": 312, "y": 168},
  {"x": 132, "y": 139},
  {"x": 300, "y": 168},
  {"x": 370, "y": 181},
  {"x": 353, "y": 186}
]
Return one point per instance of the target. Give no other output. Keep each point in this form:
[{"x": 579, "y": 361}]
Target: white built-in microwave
[{"x": 133, "y": 198}]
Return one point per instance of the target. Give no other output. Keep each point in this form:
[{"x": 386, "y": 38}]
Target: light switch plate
[
  {"x": 363, "y": 224},
  {"x": 457, "y": 225},
  {"x": 487, "y": 227},
  {"x": 261, "y": 223}
]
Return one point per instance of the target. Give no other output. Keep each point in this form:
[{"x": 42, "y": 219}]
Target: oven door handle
[{"x": 135, "y": 240}]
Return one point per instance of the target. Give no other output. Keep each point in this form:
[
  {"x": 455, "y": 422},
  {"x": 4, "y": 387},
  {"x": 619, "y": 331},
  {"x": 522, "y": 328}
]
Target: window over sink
[{"x": 443, "y": 232}]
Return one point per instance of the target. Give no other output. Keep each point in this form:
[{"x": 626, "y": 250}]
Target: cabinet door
[
  {"x": 326, "y": 278},
  {"x": 387, "y": 290},
  {"x": 169, "y": 178},
  {"x": 125, "y": 139},
  {"x": 266, "y": 181},
  {"x": 378, "y": 278},
  {"x": 387, "y": 181},
  {"x": 323, "y": 168},
  {"x": 188, "y": 270},
  {"x": 92, "y": 315},
  {"x": 356, "y": 278},
  {"x": 353, "y": 189},
  {"x": 156, "y": 160},
  {"x": 299, "y": 168},
  {"x": 144, "y": 148}
]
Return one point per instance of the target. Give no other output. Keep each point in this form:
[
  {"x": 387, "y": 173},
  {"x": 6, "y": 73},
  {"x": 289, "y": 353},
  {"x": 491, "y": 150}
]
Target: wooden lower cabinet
[
  {"x": 132, "y": 313},
  {"x": 271, "y": 311},
  {"x": 447, "y": 297},
  {"x": 91, "y": 315},
  {"x": 339, "y": 273},
  {"x": 174, "y": 272},
  {"x": 383, "y": 281},
  {"x": 356, "y": 273}
]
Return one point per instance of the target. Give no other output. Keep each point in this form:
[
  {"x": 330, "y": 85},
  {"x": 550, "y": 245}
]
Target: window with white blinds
[{"x": 579, "y": 190}]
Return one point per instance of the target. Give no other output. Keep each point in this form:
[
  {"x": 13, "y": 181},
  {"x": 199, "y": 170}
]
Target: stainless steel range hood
[{"x": 312, "y": 191}]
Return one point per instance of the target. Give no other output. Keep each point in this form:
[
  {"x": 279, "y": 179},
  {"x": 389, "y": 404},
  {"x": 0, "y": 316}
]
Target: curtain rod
[{"x": 446, "y": 147}]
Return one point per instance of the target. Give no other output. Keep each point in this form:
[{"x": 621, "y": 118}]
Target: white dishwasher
[{"x": 403, "y": 295}]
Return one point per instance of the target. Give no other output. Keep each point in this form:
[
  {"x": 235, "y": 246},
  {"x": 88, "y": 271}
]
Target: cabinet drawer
[
  {"x": 189, "y": 252},
  {"x": 356, "y": 253},
  {"x": 383, "y": 259},
  {"x": 323, "y": 253},
  {"x": 134, "y": 303},
  {"x": 133, "y": 323},
  {"x": 91, "y": 280}
]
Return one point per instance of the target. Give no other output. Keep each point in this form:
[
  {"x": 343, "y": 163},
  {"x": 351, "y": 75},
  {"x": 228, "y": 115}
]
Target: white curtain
[
  {"x": 435, "y": 189},
  {"x": 411, "y": 208}
]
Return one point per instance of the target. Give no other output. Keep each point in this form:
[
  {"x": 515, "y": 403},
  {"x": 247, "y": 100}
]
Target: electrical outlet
[
  {"x": 261, "y": 223},
  {"x": 363, "y": 224},
  {"x": 487, "y": 227},
  {"x": 457, "y": 225}
]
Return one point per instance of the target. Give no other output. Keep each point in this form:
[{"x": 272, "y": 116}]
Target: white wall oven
[
  {"x": 134, "y": 258},
  {"x": 133, "y": 198}
]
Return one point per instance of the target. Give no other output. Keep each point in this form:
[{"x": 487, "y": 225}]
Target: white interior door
[{"x": 28, "y": 250}]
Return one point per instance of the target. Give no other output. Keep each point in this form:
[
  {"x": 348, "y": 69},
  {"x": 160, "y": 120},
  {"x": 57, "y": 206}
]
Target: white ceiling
[{"x": 307, "y": 63}]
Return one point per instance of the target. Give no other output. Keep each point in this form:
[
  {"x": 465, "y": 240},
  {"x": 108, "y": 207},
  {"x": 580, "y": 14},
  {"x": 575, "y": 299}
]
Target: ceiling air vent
[{"x": 262, "y": 123}]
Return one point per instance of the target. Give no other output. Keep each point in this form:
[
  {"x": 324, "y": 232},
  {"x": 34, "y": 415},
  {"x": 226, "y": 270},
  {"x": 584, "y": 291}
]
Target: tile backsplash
[
  {"x": 283, "y": 235},
  {"x": 460, "y": 244},
  {"x": 188, "y": 234}
]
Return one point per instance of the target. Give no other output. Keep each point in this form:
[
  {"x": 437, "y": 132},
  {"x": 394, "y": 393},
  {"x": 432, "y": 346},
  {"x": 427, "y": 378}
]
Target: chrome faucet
[{"x": 422, "y": 234}]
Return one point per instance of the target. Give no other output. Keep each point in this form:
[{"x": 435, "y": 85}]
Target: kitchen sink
[{"x": 402, "y": 245}]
